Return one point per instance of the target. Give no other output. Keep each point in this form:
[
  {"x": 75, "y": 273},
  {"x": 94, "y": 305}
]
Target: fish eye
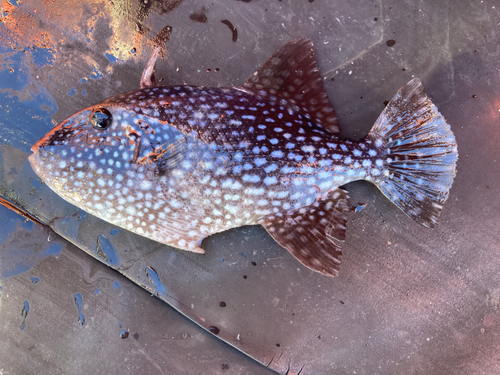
[{"x": 101, "y": 118}]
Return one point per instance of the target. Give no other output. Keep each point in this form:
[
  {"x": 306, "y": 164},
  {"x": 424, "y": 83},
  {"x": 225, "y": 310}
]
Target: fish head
[{"x": 92, "y": 153}]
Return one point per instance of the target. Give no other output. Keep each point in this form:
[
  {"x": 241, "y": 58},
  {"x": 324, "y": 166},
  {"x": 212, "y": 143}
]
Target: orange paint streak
[
  {"x": 14, "y": 207},
  {"x": 21, "y": 28},
  {"x": 56, "y": 22}
]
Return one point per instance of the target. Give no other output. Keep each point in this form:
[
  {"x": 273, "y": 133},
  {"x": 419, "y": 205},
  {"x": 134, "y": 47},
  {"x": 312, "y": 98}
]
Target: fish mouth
[
  {"x": 33, "y": 158},
  {"x": 35, "y": 147},
  {"x": 51, "y": 138}
]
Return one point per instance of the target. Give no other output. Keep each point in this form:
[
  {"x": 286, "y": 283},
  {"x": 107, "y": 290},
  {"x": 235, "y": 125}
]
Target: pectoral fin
[{"x": 308, "y": 233}]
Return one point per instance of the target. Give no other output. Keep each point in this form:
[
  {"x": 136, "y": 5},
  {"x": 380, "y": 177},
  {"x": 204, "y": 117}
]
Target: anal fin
[{"x": 308, "y": 233}]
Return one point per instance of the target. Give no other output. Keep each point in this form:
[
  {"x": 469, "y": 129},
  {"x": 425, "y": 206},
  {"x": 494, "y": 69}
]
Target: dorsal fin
[{"x": 291, "y": 73}]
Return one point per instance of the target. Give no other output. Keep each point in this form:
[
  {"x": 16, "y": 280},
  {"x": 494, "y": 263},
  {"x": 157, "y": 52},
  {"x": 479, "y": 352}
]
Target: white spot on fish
[
  {"x": 260, "y": 161},
  {"x": 251, "y": 178},
  {"x": 270, "y": 180}
]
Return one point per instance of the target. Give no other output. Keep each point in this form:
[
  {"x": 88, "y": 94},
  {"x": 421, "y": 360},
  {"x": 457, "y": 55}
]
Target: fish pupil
[{"x": 101, "y": 118}]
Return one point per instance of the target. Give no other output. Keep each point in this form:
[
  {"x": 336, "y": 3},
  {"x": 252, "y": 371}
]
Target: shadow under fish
[{"x": 179, "y": 163}]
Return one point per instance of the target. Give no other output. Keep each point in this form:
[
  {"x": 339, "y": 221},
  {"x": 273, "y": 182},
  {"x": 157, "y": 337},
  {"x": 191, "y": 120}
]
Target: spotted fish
[{"x": 179, "y": 163}]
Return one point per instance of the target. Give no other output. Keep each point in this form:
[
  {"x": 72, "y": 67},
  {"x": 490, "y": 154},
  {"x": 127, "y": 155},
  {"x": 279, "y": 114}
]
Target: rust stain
[
  {"x": 14, "y": 207},
  {"x": 20, "y": 26},
  {"x": 54, "y": 24}
]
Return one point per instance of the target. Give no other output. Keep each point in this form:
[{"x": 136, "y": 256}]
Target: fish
[{"x": 179, "y": 163}]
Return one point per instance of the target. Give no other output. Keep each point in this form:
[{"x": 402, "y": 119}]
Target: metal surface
[
  {"x": 64, "y": 313},
  {"x": 408, "y": 299}
]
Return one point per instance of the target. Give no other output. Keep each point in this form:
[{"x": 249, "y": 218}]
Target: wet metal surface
[
  {"x": 81, "y": 317},
  {"x": 408, "y": 299}
]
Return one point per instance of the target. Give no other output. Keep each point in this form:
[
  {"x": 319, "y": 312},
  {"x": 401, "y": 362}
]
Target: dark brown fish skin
[{"x": 179, "y": 163}]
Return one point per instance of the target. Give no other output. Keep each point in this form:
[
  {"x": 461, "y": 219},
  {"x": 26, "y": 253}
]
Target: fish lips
[
  {"x": 37, "y": 159},
  {"x": 60, "y": 135}
]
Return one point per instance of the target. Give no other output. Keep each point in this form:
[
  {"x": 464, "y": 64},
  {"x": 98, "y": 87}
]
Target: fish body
[{"x": 179, "y": 163}]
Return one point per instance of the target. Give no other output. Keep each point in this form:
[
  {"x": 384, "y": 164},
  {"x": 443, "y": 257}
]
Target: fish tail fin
[{"x": 420, "y": 154}]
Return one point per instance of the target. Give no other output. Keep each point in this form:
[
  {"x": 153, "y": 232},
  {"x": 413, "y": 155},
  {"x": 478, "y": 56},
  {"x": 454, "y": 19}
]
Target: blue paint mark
[
  {"x": 82, "y": 215},
  {"x": 111, "y": 58},
  {"x": 114, "y": 231},
  {"x": 54, "y": 249},
  {"x": 96, "y": 74},
  {"x": 14, "y": 80},
  {"x": 17, "y": 260},
  {"x": 70, "y": 226},
  {"x": 116, "y": 284},
  {"x": 35, "y": 182},
  {"x": 43, "y": 56},
  {"x": 155, "y": 279},
  {"x": 33, "y": 114},
  {"x": 72, "y": 92},
  {"x": 19, "y": 269},
  {"x": 243, "y": 255},
  {"x": 84, "y": 92},
  {"x": 360, "y": 207},
  {"x": 77, "y": 299},
  {"x": 106, "y": 251},
  {"x": 35, "y": 280},
  {"x": 124, "y": 333},
  {"x": 84, "y": 79},
  {"x": 24, "y": 315},
  {"x": 96, "y": 291},
  {"x": 222, "y": 259}
]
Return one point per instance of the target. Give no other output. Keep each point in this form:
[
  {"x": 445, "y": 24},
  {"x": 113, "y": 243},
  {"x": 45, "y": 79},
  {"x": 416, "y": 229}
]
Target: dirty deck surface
[{"x": 78, "y": 295}]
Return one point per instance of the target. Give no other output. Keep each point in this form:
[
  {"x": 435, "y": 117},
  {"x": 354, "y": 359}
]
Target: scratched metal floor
[{"x": 408, "y": 300}]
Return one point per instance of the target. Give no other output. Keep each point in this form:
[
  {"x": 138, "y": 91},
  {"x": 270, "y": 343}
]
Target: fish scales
[{"x": 179, "y": 163}]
